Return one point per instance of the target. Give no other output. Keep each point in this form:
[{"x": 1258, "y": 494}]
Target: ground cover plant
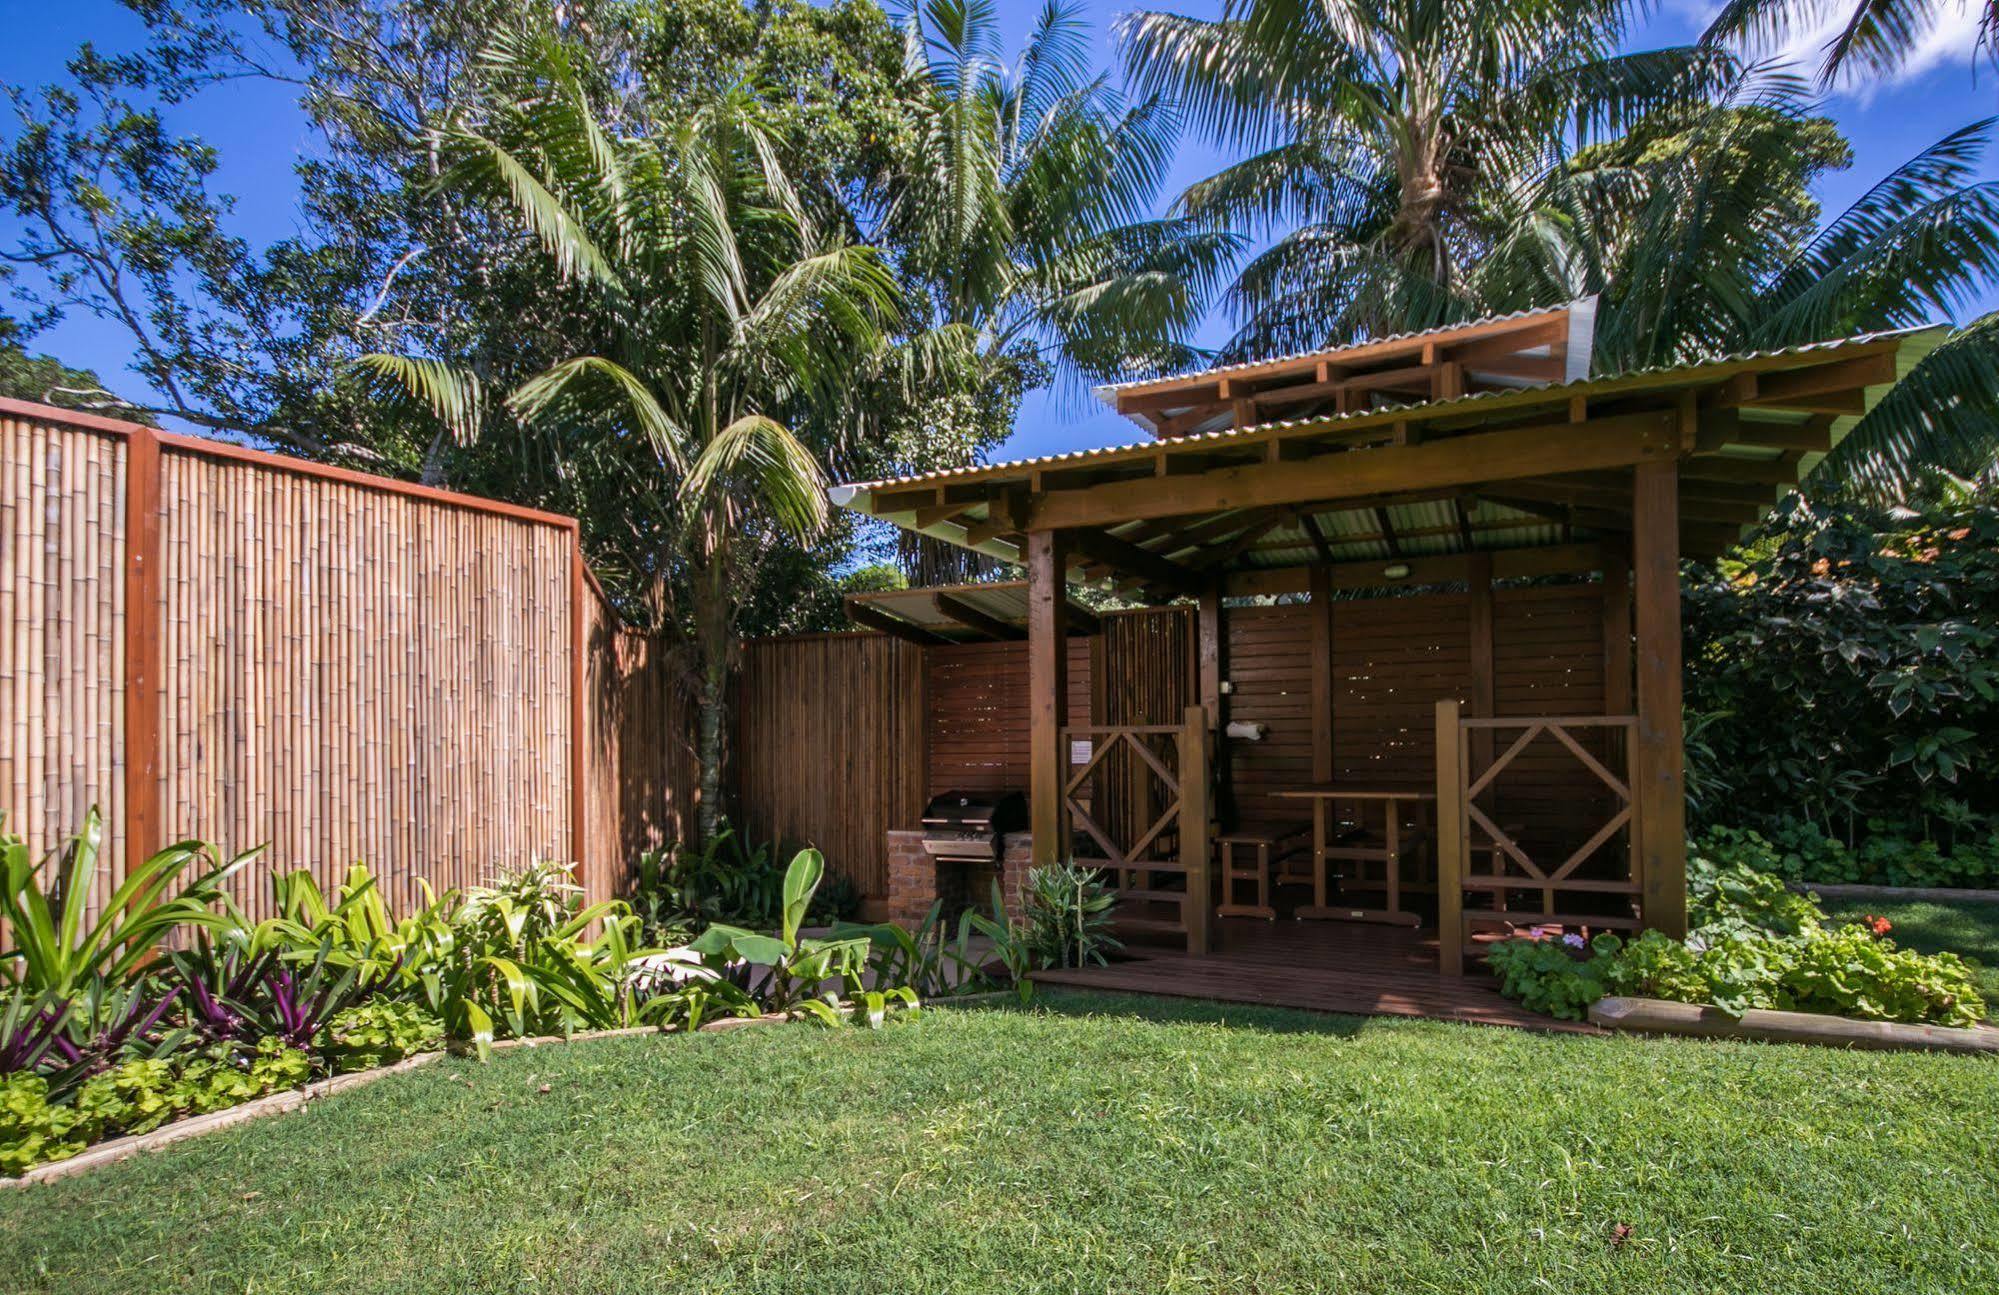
[
  {"x": 1754, "y": 943},
  {"x": 1967, "y": 929},
  {"x": 1080, "y": 1144}
]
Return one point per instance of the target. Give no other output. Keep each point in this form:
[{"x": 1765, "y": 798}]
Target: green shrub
[
  {"x": 1731, "y": 889},
  {"x": 1798, "y": 851},
  {"x": 379, "y": 1033},
  {"x": 1848, "y": 672},
  {"x": 1066, "y": 916}
]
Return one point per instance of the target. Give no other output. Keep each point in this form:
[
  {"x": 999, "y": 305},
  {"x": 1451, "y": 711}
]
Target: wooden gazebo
[{"x": 1355, "y": 523}]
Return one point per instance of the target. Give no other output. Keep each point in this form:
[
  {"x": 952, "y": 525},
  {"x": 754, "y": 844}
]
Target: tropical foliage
[
  {"x": 1389, "y": 140},
  {"x": 173, "y": 1002},
  {"x": 1847, "y": 673},
  {"x": 1754, "y": 945}
]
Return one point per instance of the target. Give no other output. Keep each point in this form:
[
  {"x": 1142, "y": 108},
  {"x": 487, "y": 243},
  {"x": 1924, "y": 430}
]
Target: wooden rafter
[{"x": 973, "y": 618}]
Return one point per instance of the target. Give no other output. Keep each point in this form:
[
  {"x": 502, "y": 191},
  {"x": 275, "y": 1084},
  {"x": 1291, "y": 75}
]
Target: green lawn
[
  {"x": 1096, "y": 1144},
  {"x": 1971, "y": 930}
]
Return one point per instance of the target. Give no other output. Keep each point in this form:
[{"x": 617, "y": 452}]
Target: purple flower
[{"x": 1573, "y": 940}]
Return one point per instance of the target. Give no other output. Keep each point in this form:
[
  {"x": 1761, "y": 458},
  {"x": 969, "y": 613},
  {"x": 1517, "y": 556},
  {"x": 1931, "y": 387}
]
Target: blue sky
[{"x": 260, "y": 134}]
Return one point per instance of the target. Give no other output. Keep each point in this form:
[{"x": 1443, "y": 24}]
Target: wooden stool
[{"x": 1279, "y": 840}]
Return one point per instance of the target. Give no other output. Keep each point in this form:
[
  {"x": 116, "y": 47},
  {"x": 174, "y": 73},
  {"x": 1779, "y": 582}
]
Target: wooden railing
[
  {"x": 1171, "y": 842},
  {"x": 1466, "y": 832}
]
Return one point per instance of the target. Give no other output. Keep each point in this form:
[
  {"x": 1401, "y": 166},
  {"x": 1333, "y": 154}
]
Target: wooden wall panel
[
  {"x": 830, "y": 747},
  {"x": 644, "y": 776},
  {"x": 350, "y": 674},
  {"x": 62, "y": 553},
  {"x": 1548, "y": 660},
  {"x": 977, "y": 722}
]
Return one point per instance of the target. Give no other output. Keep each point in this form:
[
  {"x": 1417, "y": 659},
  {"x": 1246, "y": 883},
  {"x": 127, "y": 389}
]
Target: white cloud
[{"x": 1952, "y": 38}]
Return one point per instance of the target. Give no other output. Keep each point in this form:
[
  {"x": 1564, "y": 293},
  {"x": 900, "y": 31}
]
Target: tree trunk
[{"x": 712, "y": 620}]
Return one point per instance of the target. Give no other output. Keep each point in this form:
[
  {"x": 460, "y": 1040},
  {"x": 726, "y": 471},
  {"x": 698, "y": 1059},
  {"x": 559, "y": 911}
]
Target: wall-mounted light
[{"x": 1395, "y": 570}]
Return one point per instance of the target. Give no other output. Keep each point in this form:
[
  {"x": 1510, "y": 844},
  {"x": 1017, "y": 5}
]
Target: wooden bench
[{"x": 1266, "y": 844}]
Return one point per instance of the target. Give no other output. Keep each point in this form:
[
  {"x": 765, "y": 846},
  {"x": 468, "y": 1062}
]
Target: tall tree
[
  {"x": 1389, "y": 139},
  {"x": 1869, "y": 38},
  {"x": 1020, "y": 217},
  {"x": 721, "y": 309}
]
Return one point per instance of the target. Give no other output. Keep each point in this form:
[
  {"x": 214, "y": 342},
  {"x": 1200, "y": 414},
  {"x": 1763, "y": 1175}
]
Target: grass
[
  {"x": 1969, "y": 929},
  {"x": 1092, "y": 1144}
]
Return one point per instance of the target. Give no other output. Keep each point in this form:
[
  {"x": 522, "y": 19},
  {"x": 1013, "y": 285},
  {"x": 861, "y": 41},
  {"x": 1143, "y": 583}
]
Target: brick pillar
[{"x": 912, "y": 878}]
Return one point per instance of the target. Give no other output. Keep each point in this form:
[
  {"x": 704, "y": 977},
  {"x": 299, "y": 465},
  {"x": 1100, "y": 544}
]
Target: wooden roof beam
[
  {"x": 1440, "y": 466},
  {"x": 1123, "y": 555},
  {"x": 1507, "y": 564},
  {"x": 869, "y": 618},
  {"x": 1388, "y": 535},
  {"x": 972, "y": 618},
  {"x": 1317, "y": 534}
]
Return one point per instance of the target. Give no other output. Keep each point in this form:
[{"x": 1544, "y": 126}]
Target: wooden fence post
[
  {"x": 1194, "y": 740},
  {"x": 1451, "y": 769},
  {"x": 143, "y": 648},
  {"x": 579, "y": 674}
]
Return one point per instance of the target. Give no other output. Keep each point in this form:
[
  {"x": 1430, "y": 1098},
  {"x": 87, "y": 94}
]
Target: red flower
[{"x": 1878, "y": 925}]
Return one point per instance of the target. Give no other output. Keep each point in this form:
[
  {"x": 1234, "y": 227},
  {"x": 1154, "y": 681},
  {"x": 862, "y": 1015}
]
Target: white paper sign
[{"x": 1079, "y": 751}]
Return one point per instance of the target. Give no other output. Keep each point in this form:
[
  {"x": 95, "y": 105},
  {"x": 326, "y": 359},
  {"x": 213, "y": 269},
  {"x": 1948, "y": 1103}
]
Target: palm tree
[
  {"x": 720, "y": 312},
  {"x": 1698, "y": 234},
  {"x": 1390, "y": 138},
  {"x": 1874, "y": 39},
  {"x": 1021, "y": 225},
  {"x": 1022, "y": 217}
]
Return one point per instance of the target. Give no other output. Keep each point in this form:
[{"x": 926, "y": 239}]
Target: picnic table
[{"x": 1392, "y": 800}]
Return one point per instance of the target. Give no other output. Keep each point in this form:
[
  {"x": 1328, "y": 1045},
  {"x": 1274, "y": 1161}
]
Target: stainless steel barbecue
[{"x": 971, "y": 824}]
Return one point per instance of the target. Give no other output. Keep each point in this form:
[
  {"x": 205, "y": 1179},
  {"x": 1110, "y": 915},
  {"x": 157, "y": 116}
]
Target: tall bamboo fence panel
[
  {"x": 62, "y": 554},
  {"x": 352, "y": 674},
  {"x": 211, "y": 642}
]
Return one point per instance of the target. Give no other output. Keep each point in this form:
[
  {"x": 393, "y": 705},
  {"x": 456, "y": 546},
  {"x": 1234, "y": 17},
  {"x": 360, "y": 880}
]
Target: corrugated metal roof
[
  {"x": 1663, "y": 375},
  {"x": 1108, "y": 391}
]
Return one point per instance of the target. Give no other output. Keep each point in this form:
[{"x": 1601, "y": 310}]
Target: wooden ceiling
[{"x": 1545, "y": 468}]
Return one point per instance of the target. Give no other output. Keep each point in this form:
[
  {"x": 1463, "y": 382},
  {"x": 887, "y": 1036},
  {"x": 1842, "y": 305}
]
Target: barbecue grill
[{"x": 971, "y": 824}]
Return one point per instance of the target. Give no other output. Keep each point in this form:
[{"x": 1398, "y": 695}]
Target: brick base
[{"x": 916, "y": 881}]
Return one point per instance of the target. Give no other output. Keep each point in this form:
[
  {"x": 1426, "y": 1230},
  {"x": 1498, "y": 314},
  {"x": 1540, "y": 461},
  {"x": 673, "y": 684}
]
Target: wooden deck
[{"x": 1357, "y": 967}]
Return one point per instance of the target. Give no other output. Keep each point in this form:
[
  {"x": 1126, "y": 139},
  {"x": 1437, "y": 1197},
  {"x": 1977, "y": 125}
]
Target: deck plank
[{"x": 1352, "y": 967}]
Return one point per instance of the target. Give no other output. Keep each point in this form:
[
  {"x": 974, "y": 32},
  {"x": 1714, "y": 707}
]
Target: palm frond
[
  {"x": 760, "y": 455},
  {"x": 544, "y": 393},
  {"x": 1943, "y": 415},
  {"x": 454, "y": 395}
]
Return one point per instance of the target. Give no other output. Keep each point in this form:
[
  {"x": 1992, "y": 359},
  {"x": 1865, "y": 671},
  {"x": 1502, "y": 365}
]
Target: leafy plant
[
  {"x": 1545, "y": 976},
  {"x": 379, "y": 1032},
  {"x": 784, "y": 969},
  {"x": 58, "y": 947},
  {"x": 1010, "y": 948},
  {"x": 932, "y": 960},
  {"x": 35, "y": 1130},
  {"x": 1066, "y": 916},
  {"x": 1851, "y": 664}
]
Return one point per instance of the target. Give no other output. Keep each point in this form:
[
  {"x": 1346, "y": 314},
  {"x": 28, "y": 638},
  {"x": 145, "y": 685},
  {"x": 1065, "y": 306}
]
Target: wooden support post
[
  {"x": 1194, "y": 836},
  {"x": 1321, "y": 612},
  {"x": 1478, "y": 585},
  {"x": 579, "y": 675},
  {"x": 1047, "y": 693},
  {"x": 144, "y": 832},
  {"x": 1452, "y": 770},
  {"x": 1658, "y": 763},
  {"x": 1211, "y": 656},
  {"x": 1208, "y": 639}
]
